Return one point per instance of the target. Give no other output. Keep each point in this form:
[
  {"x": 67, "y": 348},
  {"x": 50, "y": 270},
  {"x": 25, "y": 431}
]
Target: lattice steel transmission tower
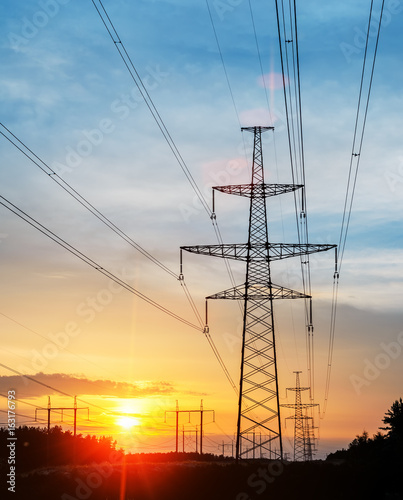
[
  {"x": 258, "y": 406},
  {"x": 303, "y": 438}
]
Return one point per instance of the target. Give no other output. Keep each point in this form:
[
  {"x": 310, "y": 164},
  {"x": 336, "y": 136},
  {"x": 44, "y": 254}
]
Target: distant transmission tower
[
  {"x": 258, "y": 408},
  {"x": 303, "y": 431}
]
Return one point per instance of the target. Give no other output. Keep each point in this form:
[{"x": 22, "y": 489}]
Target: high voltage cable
[
  {"x": 267, "y": 99},
  {"x": 260, "y": 60},
  {"x": 349, "y": 198},
  {"x": 25, "y": 416},
  {"x": 147, "y": 99},
  {"x": 354, "y": 153},
  {"x": 220, "y": 360},
  {"x": 44, "y": 167},
  {"x": 80, "y": 357},
  {"x": 208, "y": 336},
  {"x": 114, "y": 278},
  {"x": 57, "y": 345},
  {"x": 20, "y": 213},
  {"x": 332, "y": 329},
  {"x": 21, "y": 401},
  {"x": 70, "y": 190},
  {"x": 33, "y": 379},
  {"x": 304, "y": 217},
  {"x": 209, "y": 339},
  {"x": 222, "y": 62},
  {"x": 226, "y": 74},
  {"x": 129, "y": 64},
  {"x": 236, "y": 111},
  {"x": 213, "y": 218},
  {"x": 295, "y": 142},
  {"x": 150, "y": 104}
]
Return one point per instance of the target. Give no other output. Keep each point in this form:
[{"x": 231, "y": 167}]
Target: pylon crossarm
[
  {"x": 258, "y": 191},
  {"x": 257, "y": 251},
  {"x": 293, "y": 417},
  {"x": 259, "y": 292},
  {"x": 226, "y": 251},
  {"x": 301, "y": 405},
  {"x": 296, "y": 389},
  {"x": 280, "y": 251},
  {"x": 236, "y": 293}
]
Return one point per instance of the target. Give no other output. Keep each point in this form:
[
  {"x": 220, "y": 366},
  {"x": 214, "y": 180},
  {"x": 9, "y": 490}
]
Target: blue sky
[{"x": 65, "y": 92}]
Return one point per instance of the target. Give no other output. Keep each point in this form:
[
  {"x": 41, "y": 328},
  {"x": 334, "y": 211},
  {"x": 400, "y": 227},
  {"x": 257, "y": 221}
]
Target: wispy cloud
[{"x": 80, "y": 385}]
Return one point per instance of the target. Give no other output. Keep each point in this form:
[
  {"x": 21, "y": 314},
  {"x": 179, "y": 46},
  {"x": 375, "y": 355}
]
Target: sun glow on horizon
[{"x": 127, "y": 421}]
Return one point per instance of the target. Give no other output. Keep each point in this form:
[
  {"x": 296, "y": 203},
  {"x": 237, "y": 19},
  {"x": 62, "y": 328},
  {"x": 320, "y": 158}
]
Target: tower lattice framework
[
  {"x": 258, "y": 423},
  {"x": 303, "y": 430}
]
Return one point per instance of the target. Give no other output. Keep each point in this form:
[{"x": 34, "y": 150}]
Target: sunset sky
[{"x": 66, "y": 94}]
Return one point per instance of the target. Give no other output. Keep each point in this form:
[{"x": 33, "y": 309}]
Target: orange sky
[{"x": 90, "y": 338}]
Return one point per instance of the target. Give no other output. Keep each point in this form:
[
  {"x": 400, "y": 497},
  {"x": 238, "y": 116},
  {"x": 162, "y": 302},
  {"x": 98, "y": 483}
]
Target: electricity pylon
[
  {"x": 258, "y": 405},
  {"x": 178, "y": 411},
  {"x": 302, "y": 429},
  {"x": 49, "y": 409}
]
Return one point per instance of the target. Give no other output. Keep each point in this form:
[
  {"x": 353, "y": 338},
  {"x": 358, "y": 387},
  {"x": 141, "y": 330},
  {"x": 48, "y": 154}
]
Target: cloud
[{"x": 49, "y": 384}]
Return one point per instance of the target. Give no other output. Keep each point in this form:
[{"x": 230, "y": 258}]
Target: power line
[
  {"x": 86, "y": 204},
  {"x": 44, "y": 167},
  {"x": 220, "y": 360},
  {"x": 21, "y": 401},
  {"x": 55, "y": 343},
  {"x": 33, "y": 379},
  {"x": 350, "y": 191},
  {"x": 24, "y": 416},
  {"x": 106, "y": 20},
  {"x": 113, "y": 277},
  {"x": 297, "y": 156},
  {"x": 34, "y": 223},
  {"x": 356, "y": 154},
  {"x": 222, "y": 62},
  {"x": 54, "y": 176},
  {"x": 147, "y": 99},
  {"x": 226, "y": 76},
  {"x": 260, "y": 61}
]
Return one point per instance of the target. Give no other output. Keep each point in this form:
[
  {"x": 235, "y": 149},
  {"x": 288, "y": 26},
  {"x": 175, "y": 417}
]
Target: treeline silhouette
[
  {"x": 369, "y": 469},
  {"x": 381, "y": 448},
  {"x": 36, "y": 448}
]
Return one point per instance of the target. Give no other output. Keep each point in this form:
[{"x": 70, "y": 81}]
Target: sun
[{"x": 127, "y": 422}]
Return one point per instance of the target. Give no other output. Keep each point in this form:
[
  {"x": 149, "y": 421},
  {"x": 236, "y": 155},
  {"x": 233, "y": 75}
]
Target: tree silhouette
[
  {"x": 394, "y": 419},
  {"x": 36, "y": 447}
]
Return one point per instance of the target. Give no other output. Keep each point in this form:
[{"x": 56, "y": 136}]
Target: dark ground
[{"x": 192, "y": 480}]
